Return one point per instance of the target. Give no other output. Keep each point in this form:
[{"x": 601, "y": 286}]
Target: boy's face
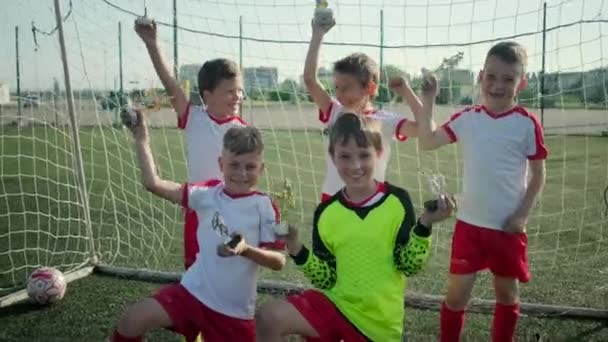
[
  {"x": 355, "y": 165},
  {"x": 350, "y": 92},
  {"x": 226, "y": 98},
  {"x": 241, "y": 172},
  {"x": 501, "y": 82}
]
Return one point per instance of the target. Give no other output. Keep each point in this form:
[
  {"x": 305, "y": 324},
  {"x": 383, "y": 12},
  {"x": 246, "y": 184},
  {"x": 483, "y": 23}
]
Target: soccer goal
[{"x": 70, "y": 192}]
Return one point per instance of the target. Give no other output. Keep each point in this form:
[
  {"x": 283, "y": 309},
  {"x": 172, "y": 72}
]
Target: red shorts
[
  {"x": 191, "y": 317},
  {"x": 190, "y": 241},
  {"x": 324, "y": 317},
  {"x": 476, "y": 248},
  {"x": 325, "y": 197}
]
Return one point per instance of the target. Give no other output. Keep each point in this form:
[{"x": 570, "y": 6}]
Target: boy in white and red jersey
[
  {"x": 356, "y": 79},
  {"x": 221, "y": 87},
  {"x": 502, "y": 142},
  {"x": 217, "y": 294}
]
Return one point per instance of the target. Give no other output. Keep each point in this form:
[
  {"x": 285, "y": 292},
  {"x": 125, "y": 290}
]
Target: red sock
[
  {"x": 117, "y": 337},
  {"x": 452, "y": 323},
  {"x": 505, "y": 320}
]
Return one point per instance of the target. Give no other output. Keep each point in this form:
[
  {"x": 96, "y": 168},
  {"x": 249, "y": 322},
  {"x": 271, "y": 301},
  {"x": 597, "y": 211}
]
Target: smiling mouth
[{"x": 496, "y": 95}]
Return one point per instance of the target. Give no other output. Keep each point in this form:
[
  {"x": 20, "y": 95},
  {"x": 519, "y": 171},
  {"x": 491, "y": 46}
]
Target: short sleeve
[
  {"x": 329, "y": 115},
  {"x": 269, "y": 217},
  {"x": 182, "y": 120},
  {"x": 199, "y": 195},
  {"x": 453, "y": 127},
  {"x": 391, "y": 125},
  {"x": 535, "y": 149}
]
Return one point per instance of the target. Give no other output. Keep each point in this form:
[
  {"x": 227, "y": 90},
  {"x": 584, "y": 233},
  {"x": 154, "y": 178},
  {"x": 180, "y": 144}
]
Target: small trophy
[
  {"x": 285, "y": 199},
  {"x": 128, "y": 116},
  {"x": 436, "y": 183},
  {"x": 222, "y": 231},
  {"x": 324, "y": 16}
]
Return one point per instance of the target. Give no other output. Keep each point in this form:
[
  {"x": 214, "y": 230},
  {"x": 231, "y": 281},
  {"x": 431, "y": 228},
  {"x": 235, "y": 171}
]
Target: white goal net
[{"x": 42, "y": 221}]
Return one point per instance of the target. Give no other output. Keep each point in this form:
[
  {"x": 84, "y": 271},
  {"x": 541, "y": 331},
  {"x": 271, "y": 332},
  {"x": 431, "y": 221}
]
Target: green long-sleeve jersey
[{"x": 361, "y": 257}]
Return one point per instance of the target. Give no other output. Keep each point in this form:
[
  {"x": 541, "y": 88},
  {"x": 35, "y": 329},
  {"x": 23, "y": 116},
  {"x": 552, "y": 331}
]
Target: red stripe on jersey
[
  {"x": 380, "y": 188},
  {"x": 221, "y": 121},
  {"x": 398, "y": 135},
  {"x": 182, "y": 119},
  {"x": 494, "y": 115},
  {"x": 325, "y": 115},
  {"x": 446, "y": 127},
  {"x": 539, "y": 139},
  {"x": 233, "y": 196},
  {"x": 277, "y": 212},
  {"x": 186, "y": 189},
  {"x": 185, "y": 195}
]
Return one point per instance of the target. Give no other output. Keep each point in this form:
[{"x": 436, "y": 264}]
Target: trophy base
[{"x": 233, "y": 241}]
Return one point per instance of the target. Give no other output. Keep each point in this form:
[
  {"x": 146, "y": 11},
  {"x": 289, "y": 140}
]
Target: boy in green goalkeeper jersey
[{"x": 365, "y": 242}]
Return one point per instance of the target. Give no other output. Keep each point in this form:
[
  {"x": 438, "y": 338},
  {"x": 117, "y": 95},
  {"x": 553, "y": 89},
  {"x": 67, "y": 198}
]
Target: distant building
[
  {"x": 325, "y": 76},
  {"x": 262, "y": 78}
]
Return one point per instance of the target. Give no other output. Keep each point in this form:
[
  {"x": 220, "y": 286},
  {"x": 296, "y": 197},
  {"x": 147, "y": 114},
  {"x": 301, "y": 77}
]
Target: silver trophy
[
  {"x": 128, "y": 116},
  {"x": 323, "y": 15},
  {"x": 436, "y": 184}
]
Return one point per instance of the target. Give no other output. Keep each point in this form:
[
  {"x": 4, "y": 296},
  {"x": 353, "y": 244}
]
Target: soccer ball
[{"x": 46, "y": 285}]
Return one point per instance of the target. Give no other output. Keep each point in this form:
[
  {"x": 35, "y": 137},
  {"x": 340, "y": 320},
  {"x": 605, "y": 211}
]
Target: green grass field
[{"x": 42, "y": 223}]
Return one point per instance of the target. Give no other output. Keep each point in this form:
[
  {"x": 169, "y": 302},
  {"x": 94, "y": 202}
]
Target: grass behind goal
[{"x": 567, "y": 233}]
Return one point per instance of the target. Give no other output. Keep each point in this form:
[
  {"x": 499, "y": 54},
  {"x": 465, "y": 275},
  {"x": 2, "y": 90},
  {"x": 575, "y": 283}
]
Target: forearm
[
  {"x": 162, "y": 68},
  {"x": 320, "y": 273},
  {"x": 146, "y": 163},
  {"x": 535, "y": 186},
  {"x": 168, "y": 190},
  {"x": 312, "y": 60},
  {"x": 410, "y": 258},
  {"x": 270, "y": 259},
  {"x": 411, "y": 100},
  {"x": 424, "y": 120}
]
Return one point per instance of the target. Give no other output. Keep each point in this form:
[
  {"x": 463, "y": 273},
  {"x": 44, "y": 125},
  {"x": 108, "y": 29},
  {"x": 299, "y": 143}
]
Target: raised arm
[
  {"x": 429, "y": 136},
  {"x": 148, "y": 33},
  {"x": 402, "y": 88},
  {"x": 318, "y": 93},
  {"x": 168, "y": 190}
]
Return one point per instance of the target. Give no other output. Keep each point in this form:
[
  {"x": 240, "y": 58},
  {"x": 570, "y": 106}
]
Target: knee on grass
[
  {"x": 137, "y": 320},
  {"x": 269, "y": 318}
]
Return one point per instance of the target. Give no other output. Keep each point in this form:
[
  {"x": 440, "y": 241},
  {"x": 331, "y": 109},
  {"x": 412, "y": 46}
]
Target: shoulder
[
  {"x": 210, "y": 183},
  {"x": 402, "y": 194},
  {"x": 466, "y": 112},
  {"x": 204, "y": 187},
  {"x": 323, "y": 206},
  {"x": 528, "y": 115}
]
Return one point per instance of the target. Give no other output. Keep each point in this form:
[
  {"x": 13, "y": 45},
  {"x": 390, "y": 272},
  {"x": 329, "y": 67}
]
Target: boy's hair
[
  {"x": 360, "y": 65},
  {"x": 510, "y": 52},
  {"x": 352, "y": 126},
  {"x": 242, "y": 140},
  {"x": 215, "y": 70}
]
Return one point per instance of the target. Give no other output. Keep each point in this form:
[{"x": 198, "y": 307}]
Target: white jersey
[
  {"x": 390, "y": 123},
  {"x": 227, "y": 284},
  {"x": 204, "y": 141},
  {"x": 496, "y": 148}
]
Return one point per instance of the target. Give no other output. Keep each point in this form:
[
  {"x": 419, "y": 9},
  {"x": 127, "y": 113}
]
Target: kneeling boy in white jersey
[{"x": 217, "y": 294}]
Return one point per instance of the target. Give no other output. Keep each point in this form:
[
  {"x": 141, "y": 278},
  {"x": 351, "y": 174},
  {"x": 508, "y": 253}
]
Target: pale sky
[{"x": 92, "y": 35}]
